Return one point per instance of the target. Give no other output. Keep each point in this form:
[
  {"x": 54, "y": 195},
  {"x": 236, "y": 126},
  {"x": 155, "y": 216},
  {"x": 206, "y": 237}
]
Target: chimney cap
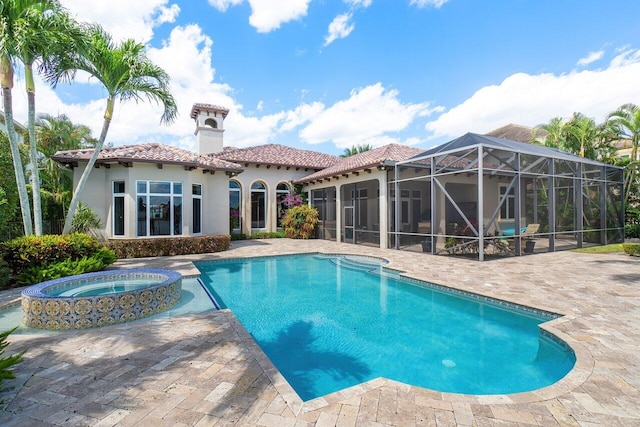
[{"x": 198, "y": 107}]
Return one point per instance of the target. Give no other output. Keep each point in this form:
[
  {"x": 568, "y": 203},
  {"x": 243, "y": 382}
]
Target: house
[
  {"x": 473, "y": 195},
  {"x": 21, "y": 130},
  {"x": 519, "y": 133}
]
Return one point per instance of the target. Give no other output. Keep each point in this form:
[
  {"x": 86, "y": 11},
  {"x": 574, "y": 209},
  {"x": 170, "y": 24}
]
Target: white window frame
[
  {"x": 196, "y": 197},
  {"x": 172, "y": 196},
  {"x": 266, "y": 205},
  {"x": 510, "y": 200},
  {"x": 121, "y": 195}
]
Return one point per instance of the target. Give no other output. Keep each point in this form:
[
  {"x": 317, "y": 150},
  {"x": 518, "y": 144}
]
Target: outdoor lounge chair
[{"x": 526, "y": 240}]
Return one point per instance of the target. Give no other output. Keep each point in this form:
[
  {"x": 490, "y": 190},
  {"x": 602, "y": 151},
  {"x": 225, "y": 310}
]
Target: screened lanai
[{"x": 480, "y": 196}]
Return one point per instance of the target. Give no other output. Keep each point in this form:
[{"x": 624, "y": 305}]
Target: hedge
[
  {"x": 34, "y": 251},
  {"x": 69, "y": 267},
  {"x": 632, "y": 249},
  {"x": 268, "y": 235},
  {"x": 141, "y": 248}
]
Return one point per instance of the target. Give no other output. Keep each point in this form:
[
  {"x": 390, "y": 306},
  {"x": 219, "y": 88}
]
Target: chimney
[{"x": 209, "y": 127}]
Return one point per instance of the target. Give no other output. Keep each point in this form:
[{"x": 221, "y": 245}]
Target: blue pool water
[
  {"x": 330, "y": 322},
  {"x": 103, "y": 287}
]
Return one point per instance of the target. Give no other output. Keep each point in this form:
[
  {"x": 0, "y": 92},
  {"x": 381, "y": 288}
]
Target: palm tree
[
  {"x": 627, "y": 121},
  {"x": 29, "y": 30},
  {"x": 126, "y": 73},
  {"x": 356, "y": 149},
  {"x": 53, "y": 134},
  {"x": 14, "y": 17},
  {"x": 50, "y": 30},
  {"x": 582, "y": 132},
  {"x": 555, "y": 137}
]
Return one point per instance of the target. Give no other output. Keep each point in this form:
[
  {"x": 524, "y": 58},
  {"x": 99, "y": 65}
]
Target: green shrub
[
  {"x": 632, "y": 249},
  {"x": 140, "y": 248},
  {"x": 238, "y": 236},
  {"x": 269, "y": 235},
  {"x": 84, "y": 219},
  {"x": 5, "y": 274},
  {"x": 6, "y": 362},
  {"x": 632, "y": 231},
  {"x": 33, "y": 251},
  {"x": 300, "y": 222},
  {"x": 69, "y": 267}
]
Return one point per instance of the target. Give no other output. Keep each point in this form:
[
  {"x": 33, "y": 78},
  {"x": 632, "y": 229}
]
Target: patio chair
[{"x": 525, "y": 236}]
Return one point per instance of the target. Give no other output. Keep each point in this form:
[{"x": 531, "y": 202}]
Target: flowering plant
[
  {"x": 234, "y": 218},
  {"x": 291, "y": 200},
  {"x": 300, "y": 222}
]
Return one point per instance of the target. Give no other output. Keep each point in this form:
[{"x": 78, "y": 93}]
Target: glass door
[{"x": 348, "y": 220}]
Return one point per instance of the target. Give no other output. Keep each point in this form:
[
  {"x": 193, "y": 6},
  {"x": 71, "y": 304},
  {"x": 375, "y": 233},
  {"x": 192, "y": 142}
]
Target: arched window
[
  {"x": 235, "y": 207},
  {"x": 212, "y": 123},
  {"x": 282, "y": 190},
  {"x": 258, "y": 205}
]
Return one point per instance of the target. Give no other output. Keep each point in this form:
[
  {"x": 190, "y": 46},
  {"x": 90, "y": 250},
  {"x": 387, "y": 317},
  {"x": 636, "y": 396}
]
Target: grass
[{"x": 606, "y": 249}]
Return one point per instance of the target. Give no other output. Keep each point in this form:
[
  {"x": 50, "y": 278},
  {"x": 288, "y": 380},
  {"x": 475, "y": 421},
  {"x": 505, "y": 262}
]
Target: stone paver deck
[{"x": 206, "y": 370}]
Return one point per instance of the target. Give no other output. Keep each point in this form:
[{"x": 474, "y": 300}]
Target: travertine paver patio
[{"x": 206, "y": 370}]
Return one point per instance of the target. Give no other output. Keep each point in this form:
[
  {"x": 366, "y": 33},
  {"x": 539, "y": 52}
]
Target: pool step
[{"x": 359, "y": 265}]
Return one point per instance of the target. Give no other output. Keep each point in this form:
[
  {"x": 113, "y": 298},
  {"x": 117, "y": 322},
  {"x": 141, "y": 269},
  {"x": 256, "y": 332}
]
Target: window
[
  {"x": 159, "y": 208},
  {"x": 258, "y": 205},
  {"x": 212, "y": 123},
  {"x": 282, "y": 190},
  {"x": 118, "y": 208},
  {"x": 235, "y": 211},
  {"x": 196, "y": 198},
  {"x": 507, "y": 208}
]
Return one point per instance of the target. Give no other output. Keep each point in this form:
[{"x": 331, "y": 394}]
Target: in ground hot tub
[{"x": 99, "y": 299}]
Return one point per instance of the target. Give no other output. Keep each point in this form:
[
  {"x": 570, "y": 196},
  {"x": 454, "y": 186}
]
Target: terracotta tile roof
[
  {"x": 517, "y": 132},
  {"x": 377, "y": 157},
  {"x": 148, "y": 153},
  {"x": 208, "y": 107},
  {"x": 278, "y": 155}
]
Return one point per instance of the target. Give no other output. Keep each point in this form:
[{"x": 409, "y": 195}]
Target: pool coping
[{"x": 582, "y": 369}]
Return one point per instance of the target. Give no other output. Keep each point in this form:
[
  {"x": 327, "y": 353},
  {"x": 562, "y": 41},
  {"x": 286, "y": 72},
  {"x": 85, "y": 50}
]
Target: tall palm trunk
[
  {"x": 33, "y": 151},
  {"x": 108, "y": 114},
  {"x": 6, "y": 78}
]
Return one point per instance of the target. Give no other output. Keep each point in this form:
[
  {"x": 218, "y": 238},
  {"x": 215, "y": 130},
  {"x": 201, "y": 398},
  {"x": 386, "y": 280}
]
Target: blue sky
[{"x": 329, "y": 74}]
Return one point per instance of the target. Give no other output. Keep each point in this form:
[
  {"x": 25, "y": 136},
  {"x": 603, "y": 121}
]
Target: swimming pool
[{"x": 331, "y": 322}]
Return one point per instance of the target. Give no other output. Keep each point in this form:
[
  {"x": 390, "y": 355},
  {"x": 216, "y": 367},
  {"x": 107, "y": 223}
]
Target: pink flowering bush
[{"x": 291, "y": 200}]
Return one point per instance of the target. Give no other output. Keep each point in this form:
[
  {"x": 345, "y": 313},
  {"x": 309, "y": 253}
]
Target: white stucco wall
[
  {"x": 271, "y": 177},
  {"x": 98, "y": 194}
]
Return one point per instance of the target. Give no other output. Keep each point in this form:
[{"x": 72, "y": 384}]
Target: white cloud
[
  {"x": 591, "y": 57},
  {"x": 359, "y": 3},
  {"x": 368, "y": 116},
  {"x": 534, "y": 99},
  {"x": 626, "y": 56},
  {"x": 268, "y": 15},
  {"x": 424, "y": 3},
  {"x": 302, "y": 114},
  {"x": 223, "y": 5},
  {"x": 125, "y": 18},
  {"x": 339, "y": 28},
  {"x": 168, "y": 14}
]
